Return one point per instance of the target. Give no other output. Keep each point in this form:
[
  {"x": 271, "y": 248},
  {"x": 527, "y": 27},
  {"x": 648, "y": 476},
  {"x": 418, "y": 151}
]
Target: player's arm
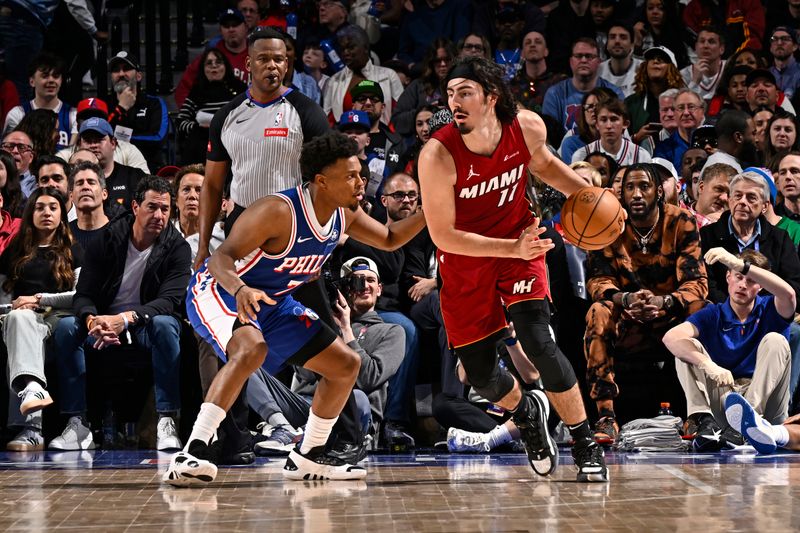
[
  {"x": 366, "y": 229},
  {"x": 437, "y": 176},
  {"x": 248, "y": 234},
  {"x": 544, "y": 164},
  {"x": 210, "y": 205}
]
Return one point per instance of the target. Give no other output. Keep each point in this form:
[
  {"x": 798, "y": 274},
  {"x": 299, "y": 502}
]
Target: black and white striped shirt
[{"x": 263, "y": 142}]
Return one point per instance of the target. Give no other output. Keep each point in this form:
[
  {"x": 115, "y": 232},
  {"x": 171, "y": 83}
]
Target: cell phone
[{"x": 655, "y": 125}]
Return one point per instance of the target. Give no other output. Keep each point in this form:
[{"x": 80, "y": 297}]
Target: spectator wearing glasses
[
  {"x": 427, "y": 88},
  {"x": 474, "y": 44},
  {"x": 563, "y": 100},
  {"x": 534, "y": 79},
  {"x": 690, "y": 110},
  {"x": 586, "y": 120},
  {"x": 783, "y": 45},
  {"x": 52, "y": 171},
  {"x": 19, "y": 145},
  {"x": 385, "y": 146}
]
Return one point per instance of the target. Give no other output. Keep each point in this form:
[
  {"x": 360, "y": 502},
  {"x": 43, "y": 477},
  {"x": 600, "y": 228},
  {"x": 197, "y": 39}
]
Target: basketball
[{"x": 592, "y": 218}]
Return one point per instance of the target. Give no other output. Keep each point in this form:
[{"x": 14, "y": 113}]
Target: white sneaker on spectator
[
  {"x": 167, "y": 435},
  {"x": 280, "y": 441},
  {"x": 76, "y": 436},
  {"x": 34, "y": 398},
  {"x": 462, "y": 441},
  {"x": 27, "y": 440}
]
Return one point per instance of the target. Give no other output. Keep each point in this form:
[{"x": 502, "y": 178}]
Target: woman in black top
[{"x": 41, "y": 266}]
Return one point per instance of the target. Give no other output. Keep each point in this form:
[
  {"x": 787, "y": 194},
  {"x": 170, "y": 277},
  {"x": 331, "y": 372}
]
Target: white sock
[
  {"x": 781, "y": 435},
  {"x": 277, "y": 419},
  {"x": 317, "y": 432},
  {"x": 208, "y": 420},
  {"x": 499, "y": 436}
]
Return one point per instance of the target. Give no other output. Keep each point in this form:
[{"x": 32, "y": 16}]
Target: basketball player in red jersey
[{"x": 490, "y": 255}]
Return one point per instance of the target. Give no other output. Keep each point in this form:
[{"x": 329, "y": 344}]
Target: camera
[{"x": 345, "y": 285}]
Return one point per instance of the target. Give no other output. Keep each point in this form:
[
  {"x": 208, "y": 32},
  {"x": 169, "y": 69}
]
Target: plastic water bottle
[
  {"x": 374, "y": 10},
  {"x": 291, "y": 25},
  {"x": 109, "y": 429},
  {"x": 331, "y": 54},
  {"x": 665, "y": 410}
]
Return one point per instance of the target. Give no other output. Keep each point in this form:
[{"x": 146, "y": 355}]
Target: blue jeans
[
  {"x": 401, "y": 385},
  {"x": 794, "y": 346},
  {"x": 21, "y": 41},
  {"x": 161, "y": 336}
]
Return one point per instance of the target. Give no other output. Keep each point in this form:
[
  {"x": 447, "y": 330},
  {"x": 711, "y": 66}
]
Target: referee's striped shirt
[{"x": 262, "y": 141}]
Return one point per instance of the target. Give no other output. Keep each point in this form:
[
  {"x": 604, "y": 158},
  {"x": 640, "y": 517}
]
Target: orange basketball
[{"x": 592, "y": 218}]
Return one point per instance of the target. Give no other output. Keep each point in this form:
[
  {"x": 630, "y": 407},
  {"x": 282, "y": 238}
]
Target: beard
[
  {"x": 464, "y": 129},
  {"x": 748, "y": 155}
]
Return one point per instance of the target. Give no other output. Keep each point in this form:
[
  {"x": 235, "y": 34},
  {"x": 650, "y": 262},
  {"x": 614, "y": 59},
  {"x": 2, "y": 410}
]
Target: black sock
[
  {"x": 581, "y": 431},
  {"x": 521, "y": 410},
  {"x": 605, "y": 411}
]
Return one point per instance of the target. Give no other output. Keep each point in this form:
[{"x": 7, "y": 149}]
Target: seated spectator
[
  {"x": 41, "y": 267},
  {"x": 315, "y": 65},
  {"x": 13, "y": 201},
  {"x": 788, "y": 225},
  {"x": 731, "y": 92},
  {"x": 660, "y": 25},
  {"x": 509, "y": 23},
  {"x": 783, "y": 45},
  {"x": 534, "y": 77},
  {"x": 781, "y": 135},
  {"x": 605, "y": 165},
  {"x": 378, "y": 344},
  {"x": 612, "y": 120},
  {"x": 743, "y": 22},
  {"x": 762, "y": 91},
  {"x": 41, "y": 125},
  {"x": 299, "y": 79},
  {"x": 703, "y": 75},
  {"x": 354, "y": 45},
  {"x": 586, "y": 123},
  {"x": 425, "y": 90},
  {"x": 587, "y": 172},
  {"x": 408, "y": 161},
  {"x": 621, "y": 66},
  {"x": 46, "y": 76},
  {"x": 788, "y": 183},
  {"x": 233, "y": 46},
  {"x": 52, "y": 171},
  {"x": 214, "y": 87},
  {"x": 562, "y": 99},
  {"x": 713, "y": 191},
  {"x": 651, "y": 278},
  {"x": 87, "y": 185},
  {"x": 19, "y": 145},
  {"x": 655, "y": 77},
  {"x": 474, "y": 44},
  {"x": 736, "y": 144},
  {"x": 125, "y": 153},
  {"x": 385, "y": 146},
  {"x": 97, "y": 136},
  {"x": 446, "y": 19},
  {"x": 741, "y": 344},
  {"x": 747, "y": 57},
  {"x": 132, "y": 288},
  {"x": 136, "y": 117},
  {"x": 690, "y": 109},
  {"x": 691, "y": 157},
  {"x": 761, "y": 118}
]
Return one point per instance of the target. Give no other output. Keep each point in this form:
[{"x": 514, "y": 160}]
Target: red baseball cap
[{"x": 92, "y": 107}]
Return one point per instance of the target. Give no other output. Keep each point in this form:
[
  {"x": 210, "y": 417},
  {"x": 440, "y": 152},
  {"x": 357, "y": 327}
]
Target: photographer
[{"x": 380, "y": 346}]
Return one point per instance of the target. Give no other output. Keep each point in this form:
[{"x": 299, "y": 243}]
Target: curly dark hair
[
  {"x": 25, "y": 244},
  {"x": 13, "y": 201},
  {"x": 41, "y": 125},
  {"x": 490, "y": 76},
  {"x": 323, "y": 151},
  {"x": 651, "y": 172},
  {"x": 202, "y": 83}
]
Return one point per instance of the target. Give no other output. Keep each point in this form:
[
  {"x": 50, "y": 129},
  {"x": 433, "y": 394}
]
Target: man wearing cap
[
  {"x": 384, "y": 144},
  {"x": 97, "y": 136},
  {"x": 233, "y": 46},
  {"x": 620, "y": 67},
  {"x": 354, "y": 46},
  {"x": 378, "y": 344},
  {"x": 762, "y": 91},
  {"x": 356, "y": 125},
  {"x": 783, "y": 45},
  {"x": 563, "y": 100},
  {"x": 45, "y": 77},
  {"x": 703, "y": 75},
  {"x": 136, "y": 117},
  {"x": 125, "y": 153}
]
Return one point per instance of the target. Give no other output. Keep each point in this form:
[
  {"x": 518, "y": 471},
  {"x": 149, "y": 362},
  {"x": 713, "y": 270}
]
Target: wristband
[
  {"x": 745, "y": 268},
  {"x": 124, "y": 320},
  {"x": 243, "y": 285},
  {"x": 510, "y": 341}
]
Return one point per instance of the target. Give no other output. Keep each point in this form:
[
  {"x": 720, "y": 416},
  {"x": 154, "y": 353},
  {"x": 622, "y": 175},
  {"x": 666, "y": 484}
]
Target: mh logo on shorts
[
  {"x": 524, "y": 286},
  {"x": 305, "y": 315}
]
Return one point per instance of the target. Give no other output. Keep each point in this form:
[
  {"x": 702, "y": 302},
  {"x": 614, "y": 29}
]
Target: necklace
[{"x": 645, "y": 239}]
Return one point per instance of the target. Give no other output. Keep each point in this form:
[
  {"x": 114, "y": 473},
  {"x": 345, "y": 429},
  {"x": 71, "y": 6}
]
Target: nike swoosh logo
[
  {"x": 242, "y": 120},
  {"x": 303, "y": 239}
]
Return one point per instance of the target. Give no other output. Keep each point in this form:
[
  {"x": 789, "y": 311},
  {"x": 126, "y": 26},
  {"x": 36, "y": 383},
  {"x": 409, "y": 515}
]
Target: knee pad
[
  {"x": 483, "y": 372},
  {"x": 532, "y": 325}
]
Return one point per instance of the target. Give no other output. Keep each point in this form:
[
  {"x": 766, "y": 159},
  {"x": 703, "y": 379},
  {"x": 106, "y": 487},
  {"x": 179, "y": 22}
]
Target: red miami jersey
[{"x": 490, "y": 197}]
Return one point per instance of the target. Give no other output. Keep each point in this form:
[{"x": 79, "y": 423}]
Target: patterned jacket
[{"x": 671, "y": 263}]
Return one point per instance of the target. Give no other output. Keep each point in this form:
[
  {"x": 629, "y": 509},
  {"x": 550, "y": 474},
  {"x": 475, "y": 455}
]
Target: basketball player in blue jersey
[{"x": 241, "y": 302}]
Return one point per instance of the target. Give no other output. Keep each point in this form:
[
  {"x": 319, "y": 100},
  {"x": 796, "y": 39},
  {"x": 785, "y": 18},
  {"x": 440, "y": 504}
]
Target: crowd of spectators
[{"x": 685, "y": 108}]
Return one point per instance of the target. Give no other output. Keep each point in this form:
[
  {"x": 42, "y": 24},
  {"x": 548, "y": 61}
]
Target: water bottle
[
  {"x": 665, "y": 410},
  {"x": 291, "y": 25},
  {"x": 109, "y": 429},
  {"x": 374, "y": 10},
  {"x": 330, "y": 52}
]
